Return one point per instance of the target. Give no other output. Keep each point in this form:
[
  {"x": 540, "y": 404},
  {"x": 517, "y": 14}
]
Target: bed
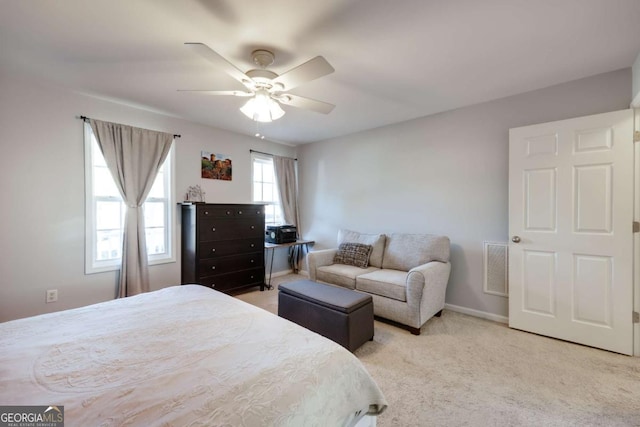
[{"x": 182, "y": 356}]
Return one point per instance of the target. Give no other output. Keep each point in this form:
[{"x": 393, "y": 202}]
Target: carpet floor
[{"x": 466, "y": 371}]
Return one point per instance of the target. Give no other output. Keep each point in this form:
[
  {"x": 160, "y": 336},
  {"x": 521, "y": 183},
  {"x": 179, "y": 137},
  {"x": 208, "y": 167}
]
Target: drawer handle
[
  {"x": 213, "y": 267},
  {"x": 213, "y": 229},
  {"x": 213, "y": 249},
  {"x": 252, "y": 277},
  {"x": 239, "y": 212},
  {"x": 252, "y": 261},
  {"x": 259, "y": 212},
  {"x": 206, "y": 212},
  {"x": 253, "y": 245},
  {"x": 228, "y": 212},
  {"x": 213, "y": 285},
  {"x": 253, "y": 227}
]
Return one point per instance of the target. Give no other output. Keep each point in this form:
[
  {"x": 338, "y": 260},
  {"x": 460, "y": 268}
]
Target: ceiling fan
[{"x": 267, "y": 89}]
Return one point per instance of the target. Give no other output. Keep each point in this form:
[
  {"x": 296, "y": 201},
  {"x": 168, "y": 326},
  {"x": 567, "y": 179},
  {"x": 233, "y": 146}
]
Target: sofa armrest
[
  {"x": 427, "y": 286},
  {"x": 318, "y": 259}
]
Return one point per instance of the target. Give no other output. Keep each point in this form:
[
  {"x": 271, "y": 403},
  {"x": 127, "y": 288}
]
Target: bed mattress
[{"x": 182, "y": 356}]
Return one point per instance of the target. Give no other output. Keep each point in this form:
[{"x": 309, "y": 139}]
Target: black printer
[{"x": 281, "y": 234}]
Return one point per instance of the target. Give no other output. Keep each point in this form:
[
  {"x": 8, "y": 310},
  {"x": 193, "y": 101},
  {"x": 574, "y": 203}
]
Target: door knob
[{"x": 515, "y": 239}]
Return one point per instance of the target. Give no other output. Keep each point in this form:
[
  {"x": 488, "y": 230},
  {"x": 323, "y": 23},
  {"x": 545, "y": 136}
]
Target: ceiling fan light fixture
[
  {"x": 265, "y": 88},
  {"x": 261, "y": 108}
]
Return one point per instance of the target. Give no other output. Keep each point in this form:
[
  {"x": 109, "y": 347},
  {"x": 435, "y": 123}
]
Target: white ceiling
[{"x": 394, "y": 60}]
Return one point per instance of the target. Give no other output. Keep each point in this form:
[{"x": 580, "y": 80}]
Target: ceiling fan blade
[
  {"x": 310, "y": 70},
  {"x": 218, "y": 92},
  {"x": 306, "y": 103},
  {"x": 212, "y": 56}
]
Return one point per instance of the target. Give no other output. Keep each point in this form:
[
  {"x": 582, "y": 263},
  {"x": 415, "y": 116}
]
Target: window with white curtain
[
  {"x": 264, "y": 188},
  {"x": 105, "y": 213}
]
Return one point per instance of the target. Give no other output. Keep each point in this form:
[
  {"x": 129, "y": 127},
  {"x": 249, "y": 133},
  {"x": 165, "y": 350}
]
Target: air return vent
[{"x": 495, "y": 269}]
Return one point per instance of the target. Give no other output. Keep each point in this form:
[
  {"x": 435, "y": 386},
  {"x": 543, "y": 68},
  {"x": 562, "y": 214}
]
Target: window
[
  {"x": 264, "y": 189},
  {"x": 105, "y": 211}
]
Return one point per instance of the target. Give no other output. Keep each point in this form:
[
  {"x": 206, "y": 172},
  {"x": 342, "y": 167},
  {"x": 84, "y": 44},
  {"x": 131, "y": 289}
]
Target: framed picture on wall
[{"x": 216, "y": 166}]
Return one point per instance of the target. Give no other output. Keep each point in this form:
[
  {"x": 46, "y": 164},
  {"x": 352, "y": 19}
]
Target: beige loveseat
[{"x": 407, "y": 274}]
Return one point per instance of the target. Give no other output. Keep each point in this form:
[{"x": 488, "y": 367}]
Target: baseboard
[
  {"x": 477, "y": 313},
  {"x": 281, "y": 273},
  {"x": 285, "y": 272}
]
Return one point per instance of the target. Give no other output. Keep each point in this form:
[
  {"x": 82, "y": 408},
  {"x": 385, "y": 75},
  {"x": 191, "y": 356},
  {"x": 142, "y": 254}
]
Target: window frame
[
  {"x": 278, "y": 205},
  {"x": 92, "y": 264}
]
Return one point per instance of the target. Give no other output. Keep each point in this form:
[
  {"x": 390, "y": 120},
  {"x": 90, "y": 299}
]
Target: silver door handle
[{"x": 515, "y": 239}]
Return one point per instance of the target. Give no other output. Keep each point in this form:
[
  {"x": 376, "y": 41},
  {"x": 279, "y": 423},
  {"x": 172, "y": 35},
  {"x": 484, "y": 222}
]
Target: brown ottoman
[{"x": 340, "y": 314}]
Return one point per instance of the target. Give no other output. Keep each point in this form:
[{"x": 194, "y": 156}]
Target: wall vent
[{"x": 496, "y": 261}]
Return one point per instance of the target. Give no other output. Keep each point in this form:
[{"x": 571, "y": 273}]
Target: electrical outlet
[{"x": 52, "y": 295}]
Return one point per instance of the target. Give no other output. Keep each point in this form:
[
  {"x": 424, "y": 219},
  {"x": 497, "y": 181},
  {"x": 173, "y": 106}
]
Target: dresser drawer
[
  {"x": 228, "y": 264},
  {"x": 250, "y": 212},
  {"x": 238, "y": 279},
  {"x": 204, "y": 212},
  {"x": 229, "y": 211},
  {"x": 226, "y": 229},
  {"x": 218, "y": 248}
]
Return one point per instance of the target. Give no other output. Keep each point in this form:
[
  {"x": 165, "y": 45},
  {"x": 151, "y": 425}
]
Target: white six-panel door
[{"x": 570, "y": 222}]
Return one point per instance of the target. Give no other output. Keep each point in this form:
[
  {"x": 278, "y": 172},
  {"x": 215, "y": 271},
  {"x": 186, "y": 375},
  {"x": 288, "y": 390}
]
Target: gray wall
[
  {"x": 42, "y": 187},
  {"x": 441, "y": 174}
]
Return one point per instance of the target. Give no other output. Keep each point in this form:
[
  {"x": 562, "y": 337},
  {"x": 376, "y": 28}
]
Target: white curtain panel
[
  {"x": 133, "y": 156},
  {"x": 285, "y": 170},
  {"x": 287, "y": 184}
]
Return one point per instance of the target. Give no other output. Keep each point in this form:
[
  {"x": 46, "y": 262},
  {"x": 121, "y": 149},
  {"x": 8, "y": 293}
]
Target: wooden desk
[{"x": 273, "y": 246}]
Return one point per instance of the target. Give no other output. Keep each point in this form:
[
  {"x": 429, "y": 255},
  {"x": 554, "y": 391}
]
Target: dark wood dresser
[{"x": 223, "y": 246}]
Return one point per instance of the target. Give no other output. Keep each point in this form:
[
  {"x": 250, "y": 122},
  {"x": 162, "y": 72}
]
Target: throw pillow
[
  {"x": 375, "y": 240},
  {"x": 356, "y": 254}
]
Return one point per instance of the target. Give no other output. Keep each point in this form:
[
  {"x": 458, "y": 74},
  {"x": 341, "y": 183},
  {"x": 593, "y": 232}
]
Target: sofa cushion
[
  {"x": 375, "y": 240},
  {"x": 387, "y": 283},
  {"x": 356, "y": 254},
  {"x": 340, "y": 274},
  {"x": 405, "y": 251}
]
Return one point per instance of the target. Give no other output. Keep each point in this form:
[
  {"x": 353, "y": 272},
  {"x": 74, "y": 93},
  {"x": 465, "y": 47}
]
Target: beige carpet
[{"x": 465, "y": 371}]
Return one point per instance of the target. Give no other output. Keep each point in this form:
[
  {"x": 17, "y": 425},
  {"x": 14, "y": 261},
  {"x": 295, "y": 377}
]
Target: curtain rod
[
  {"x": 266, "y": 154},
  {"x": 85, "y": 118}
]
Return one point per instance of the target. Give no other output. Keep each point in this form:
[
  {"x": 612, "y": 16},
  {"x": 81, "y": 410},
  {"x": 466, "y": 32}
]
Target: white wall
[
  {"x": 441, "y": 174},
  {"x": 42, "y": 187}
]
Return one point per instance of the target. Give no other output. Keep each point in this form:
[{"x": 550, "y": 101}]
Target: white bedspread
[{"x": 181, "y": 356}]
